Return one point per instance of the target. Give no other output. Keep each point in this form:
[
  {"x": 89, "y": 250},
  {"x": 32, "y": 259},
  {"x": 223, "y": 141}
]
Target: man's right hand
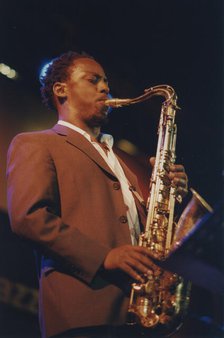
[{"x": 133, "y": 260}]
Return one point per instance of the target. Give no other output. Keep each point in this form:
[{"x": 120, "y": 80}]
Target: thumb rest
[{"x": 160, "y": 303}]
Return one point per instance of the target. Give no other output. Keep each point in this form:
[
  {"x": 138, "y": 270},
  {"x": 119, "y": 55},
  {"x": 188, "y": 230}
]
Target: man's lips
[
  {"x": 101, "y": 104},
  {"x": 102, "y": 99}
]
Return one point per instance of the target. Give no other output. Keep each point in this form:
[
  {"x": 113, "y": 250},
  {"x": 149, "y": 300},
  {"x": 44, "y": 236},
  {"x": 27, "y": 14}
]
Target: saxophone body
[{"x": 160, "y": 303}]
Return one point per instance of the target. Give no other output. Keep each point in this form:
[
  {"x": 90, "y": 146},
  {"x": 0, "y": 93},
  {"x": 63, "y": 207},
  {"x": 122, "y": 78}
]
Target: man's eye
[{"x": 93, "y": 80}]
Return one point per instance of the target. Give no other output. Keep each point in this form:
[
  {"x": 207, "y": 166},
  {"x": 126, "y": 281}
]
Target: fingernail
[
  {"x": 140, "y": 279},
  {"x": 171, "y": 176}
]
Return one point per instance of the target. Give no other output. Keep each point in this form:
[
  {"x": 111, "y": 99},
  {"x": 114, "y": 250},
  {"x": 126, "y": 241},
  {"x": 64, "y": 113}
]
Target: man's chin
[{"x": 98, "y": 121}]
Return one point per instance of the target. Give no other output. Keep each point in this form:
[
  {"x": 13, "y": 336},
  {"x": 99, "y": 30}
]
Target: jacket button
[
  {"x": 123, "y": 219},
  {"x": 116, "y": 186}
]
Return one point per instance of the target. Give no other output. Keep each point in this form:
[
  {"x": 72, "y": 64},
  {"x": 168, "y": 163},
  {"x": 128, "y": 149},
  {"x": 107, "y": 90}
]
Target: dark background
[{"x": 140, "y": 44}]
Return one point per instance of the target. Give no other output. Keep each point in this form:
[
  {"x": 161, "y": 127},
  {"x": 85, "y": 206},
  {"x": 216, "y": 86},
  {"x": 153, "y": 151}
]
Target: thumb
[{"x": 152, "y": 161}]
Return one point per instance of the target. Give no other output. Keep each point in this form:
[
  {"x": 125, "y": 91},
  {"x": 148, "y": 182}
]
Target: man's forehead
[{"x": 86, "y": 65}]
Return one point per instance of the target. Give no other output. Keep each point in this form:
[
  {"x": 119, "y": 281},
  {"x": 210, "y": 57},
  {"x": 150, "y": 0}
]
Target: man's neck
[
  {"x": 93, "y": 131},
  {"x": 92, "y": 127}
]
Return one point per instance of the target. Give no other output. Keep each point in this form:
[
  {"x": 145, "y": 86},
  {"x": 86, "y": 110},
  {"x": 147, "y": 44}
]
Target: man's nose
[{"x": 104, "y": 87}]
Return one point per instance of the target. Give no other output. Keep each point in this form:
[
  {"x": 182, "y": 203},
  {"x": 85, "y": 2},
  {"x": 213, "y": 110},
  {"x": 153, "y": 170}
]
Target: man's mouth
[{"x": 103, "y": 98}]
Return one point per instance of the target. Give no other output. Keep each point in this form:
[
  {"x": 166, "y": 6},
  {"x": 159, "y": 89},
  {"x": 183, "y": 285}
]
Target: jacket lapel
[
  {"x": 128, "y": 173},
  {"x": 134, "y": 182},
  {"x": 80, "y": 142}
]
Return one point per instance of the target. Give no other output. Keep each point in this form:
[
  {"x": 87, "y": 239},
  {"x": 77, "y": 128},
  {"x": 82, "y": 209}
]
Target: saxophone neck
[{"x": 161, "y": 90}]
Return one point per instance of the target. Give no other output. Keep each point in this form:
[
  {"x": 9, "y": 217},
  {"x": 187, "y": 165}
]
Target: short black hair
[{"x": 57, "y": 71}]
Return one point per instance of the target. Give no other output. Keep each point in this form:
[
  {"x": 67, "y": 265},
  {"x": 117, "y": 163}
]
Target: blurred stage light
[
  {"x": 43, "y": 70},
  {"x": 8, "y": 71},
  {"x": 127, "y": 147}
]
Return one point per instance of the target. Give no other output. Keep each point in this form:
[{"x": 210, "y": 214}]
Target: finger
[
  {"x": 132, "y": 273},
  {"x": 178, "y": 175},
  {"x": 142, "y": 263},
  {"x": 146, "y": 257},
  {"x": 179, "y": 182},
  {"x": 177, "y": 168},
  {"x": 144, "y": 251},
  {"x": 140, "y": 268},
  {"x": 181, "y": 191},
  {"x": 152, "y": 161}
]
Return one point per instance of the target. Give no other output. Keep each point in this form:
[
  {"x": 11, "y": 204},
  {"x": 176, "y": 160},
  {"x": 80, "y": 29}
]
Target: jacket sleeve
[{"x": 34, "y": 209}]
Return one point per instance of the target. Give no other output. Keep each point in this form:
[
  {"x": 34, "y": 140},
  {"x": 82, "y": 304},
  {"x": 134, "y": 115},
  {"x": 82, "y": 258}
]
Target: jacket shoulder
[
  {"x": 42, "y": 141},
  {"x": 34, "y": 136}
]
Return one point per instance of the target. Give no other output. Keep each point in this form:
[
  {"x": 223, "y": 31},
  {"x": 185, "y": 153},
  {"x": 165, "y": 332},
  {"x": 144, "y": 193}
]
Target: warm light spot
[
  {"x": 12, "y": 74},
  {"x": 127, "y": 146},
  {"x": 5, "y": 69},
  {"x": 8, "y": 71}
]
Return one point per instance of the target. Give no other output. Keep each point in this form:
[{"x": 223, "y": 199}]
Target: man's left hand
[{"x": 178, "y": 178}]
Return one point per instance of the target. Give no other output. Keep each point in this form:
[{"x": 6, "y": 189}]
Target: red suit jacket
[{"x": 64, "y": 198}]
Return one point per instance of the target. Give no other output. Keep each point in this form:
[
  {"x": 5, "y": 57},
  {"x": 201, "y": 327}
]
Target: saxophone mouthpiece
[
  {"x": 116, "y": 103},
  {"x": 111, "y": 103}
]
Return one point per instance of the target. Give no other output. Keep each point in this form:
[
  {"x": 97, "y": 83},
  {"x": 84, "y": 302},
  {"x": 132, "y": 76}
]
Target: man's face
[{"x": 86, "y": 90}]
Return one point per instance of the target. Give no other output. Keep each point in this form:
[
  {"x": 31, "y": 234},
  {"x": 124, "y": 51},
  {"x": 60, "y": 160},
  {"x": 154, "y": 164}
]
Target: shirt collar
[{"x": 106, "y": 138}]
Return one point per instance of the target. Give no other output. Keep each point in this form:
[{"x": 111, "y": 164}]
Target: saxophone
[{"x": 161, "y": 302}]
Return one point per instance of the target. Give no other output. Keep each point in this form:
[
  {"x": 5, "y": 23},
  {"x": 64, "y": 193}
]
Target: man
[{"x": 70, "y": 195}]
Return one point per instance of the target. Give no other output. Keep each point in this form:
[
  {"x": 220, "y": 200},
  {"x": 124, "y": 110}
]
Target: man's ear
[{"x": 60, "y": 89}]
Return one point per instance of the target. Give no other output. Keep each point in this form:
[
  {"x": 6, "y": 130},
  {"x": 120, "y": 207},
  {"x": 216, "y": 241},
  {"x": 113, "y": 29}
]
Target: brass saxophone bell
[{"x": 195, "y": 210}]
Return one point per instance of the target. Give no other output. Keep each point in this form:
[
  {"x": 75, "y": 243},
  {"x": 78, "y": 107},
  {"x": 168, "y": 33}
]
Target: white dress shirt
[{"x": 112, "y": 161}]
